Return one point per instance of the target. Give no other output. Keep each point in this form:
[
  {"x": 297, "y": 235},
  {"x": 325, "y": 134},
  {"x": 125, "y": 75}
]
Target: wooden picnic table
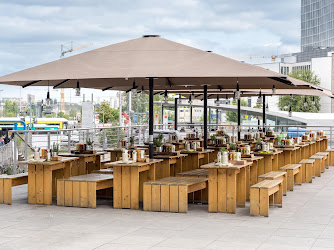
[
  {"x": 179, "y": 145},
  {"x": 290, "y": 155},
  {"x": 196, "y": 158},
  {"x": 227, "y": 187},
  {"x": 272, "y": 161},
  {"x": 129, "y": 179},
  {"x": 116, "y": 153},
  {"x": 324, "y": 143},
  {"x": 43, "y": 175},
  {"x": 171, "y": 165},
  {"x": 252, "y": 171},
  {"x": 87, "y": 162}
]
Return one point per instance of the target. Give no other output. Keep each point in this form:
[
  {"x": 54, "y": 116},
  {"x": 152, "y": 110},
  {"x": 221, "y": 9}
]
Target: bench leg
[
  {"x": 308, "y": 169},
  {"x": 254, "y": 202},
  {"x": 298, "y": 177},
  {"x": 279, "y": 196},
  {"x": 290, "y": 180},
  {"x": 285, "y": 185},
  {"x": 2, "y": 191},
  {"x": 264, "y": 202},
  {"x": 92, "y": 194},
  {"x": 183, "y": 199},
  {"x": 7, "y": 198}
]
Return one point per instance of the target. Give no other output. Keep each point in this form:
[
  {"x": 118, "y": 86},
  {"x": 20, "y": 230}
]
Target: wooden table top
[
  {"x": 82, "y": 155},
  {"x": 169, "y": 156},
  {"x": 290, "y": 149},
  {"x": 254, "y": 158},
  {"x": 120, "y": 149},
  {"x": 197, "y": 152},
  {"x": 307, "y": 161},
  {"x": 269, "y": 153},
  {"x": 49, "y": 163},
  {"x": 214, "y": 166},
  {"x": 132, "y": 164}
]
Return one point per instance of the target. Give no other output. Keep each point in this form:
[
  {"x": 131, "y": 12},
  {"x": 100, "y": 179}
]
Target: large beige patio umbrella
[{"x": 149, "y": 62}]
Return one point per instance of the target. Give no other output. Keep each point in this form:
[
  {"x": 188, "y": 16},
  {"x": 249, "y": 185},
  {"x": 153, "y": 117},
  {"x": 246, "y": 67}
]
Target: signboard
[{"x": 87, "y": 115}]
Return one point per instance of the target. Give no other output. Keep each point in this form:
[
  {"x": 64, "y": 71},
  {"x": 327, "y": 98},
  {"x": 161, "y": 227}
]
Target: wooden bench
[
  {"x": 264, "y": 193},
  {"x": 325, "y": 163},
  {"x": 276, "y": 175},
  {"x": 170, "y": 194},
  {"x": 317, "y": 164},
  {"x": 331, "y": 156},
  {"x": 6, "y": 184},
  {"x": 308, "y": 170},
  {"x": 80, "y": 191},
  {"x": 200, "y": 195},
  {"x": 199, "y": 173},
  {"x": 104, "y": 171},
  {"x": 103, "y": 163},
  {"x": 295, "y": 173}
]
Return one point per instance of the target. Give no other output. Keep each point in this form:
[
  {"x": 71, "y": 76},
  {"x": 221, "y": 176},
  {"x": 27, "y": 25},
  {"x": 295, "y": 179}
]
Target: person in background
[{"x": 2, "y": 140}]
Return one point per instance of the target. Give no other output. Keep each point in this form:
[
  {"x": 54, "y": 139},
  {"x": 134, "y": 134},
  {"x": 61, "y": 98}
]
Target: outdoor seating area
[{"x": 239, "y": 175}]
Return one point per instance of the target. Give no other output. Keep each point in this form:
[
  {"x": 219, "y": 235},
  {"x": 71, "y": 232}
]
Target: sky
[{"x": 32, "y": 31}]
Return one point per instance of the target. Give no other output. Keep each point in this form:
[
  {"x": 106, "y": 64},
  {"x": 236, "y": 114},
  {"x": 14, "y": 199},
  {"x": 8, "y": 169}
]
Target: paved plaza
[{"x": 306, "y": 221}]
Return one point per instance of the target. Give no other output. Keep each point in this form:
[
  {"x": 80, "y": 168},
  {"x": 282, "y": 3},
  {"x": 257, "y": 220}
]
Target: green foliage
[
  {"x": 233, "y": 116},
  {"x": 110, "y": 114},
  {"x": 233, "y": 147},
  {"x": 89, "y": 142},
  {"x": 10, "y": 108},
  {"x": 55, "y": 147},
  {"x": 61, "y": 114},
  {"x": 73, "y": 113},
  {"x": 158, "y": 141},
  {"x": 297, "y": 102}
]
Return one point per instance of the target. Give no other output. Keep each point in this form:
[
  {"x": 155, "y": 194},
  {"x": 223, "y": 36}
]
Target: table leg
[
  {"x": 82, "y": 166},
  {"x": 39, "y": 184},
  {"x": 242, "y": 188},
  {"x": 268, "y": 164},
  {"x": 275, "y": 163},
  {"x": 117, "y": 187},
  {"x": 134, "y": 188},
  {"x": 261, "y": 166},
  {"x": 231, "y": 191},
  {"x": 47, "y": 184},
  {"x": 213, "y": 191},
  {"x": 97, "y": 162},
  {"x": 253, "y": 173},
  {"x": 32, "y": 184}
]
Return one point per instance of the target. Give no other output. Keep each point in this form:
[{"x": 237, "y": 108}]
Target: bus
[{"x": 14, "y": 123}]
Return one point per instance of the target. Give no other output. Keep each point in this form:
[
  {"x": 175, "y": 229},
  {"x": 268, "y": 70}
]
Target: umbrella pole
[
  {"x": 264, "y": 113},
  {"x": 239, "y": 118},
  {"x": 191, "y": 114},
  {"x": 205, "y": 116},
  {"x": 150, "y": 126},
  {"x": 175, "y": 114}
]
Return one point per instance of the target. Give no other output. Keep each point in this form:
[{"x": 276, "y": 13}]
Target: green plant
[
  {"x": 233, "y": 147},
  {"x": 55, "y": 147},
  {"x": 132, "y": 140},
  {"x": 222, "y": 150},
  {"x": 213, "y": 137},
  {"x": 157, "y": 142},
  {"x": 258, "y": 142},
  {"x": 89, "y": 142}
]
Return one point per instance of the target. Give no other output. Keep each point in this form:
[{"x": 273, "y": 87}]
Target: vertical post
[
  {"x": 151, "y": 118},
  {"x": 69, "y": 141},
  {"x": 120, "y": 108},
  {"x": 15, "y": 153},
  {"x": 217, "y": 114},
  {"x": 175, "y": 113},
  {"x": 104, "y": 139},
  {"x": 191, "y": 114},
  {"x": 264, "y": 113},
  {"x": 162, "y": 115},
  {"x": 239, "y": 119},
  {"x": 26, "y": 138},
  {"x": 205, "y": 116},
  {"x": 49, "y": 141},
  {"x": 129, "y": 114},
  {"x": 210, "y": 115},
  {"x": 331, "y": 137}
]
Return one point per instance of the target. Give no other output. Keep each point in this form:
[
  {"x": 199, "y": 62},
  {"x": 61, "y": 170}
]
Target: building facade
[{"x": 317, "y": 24}]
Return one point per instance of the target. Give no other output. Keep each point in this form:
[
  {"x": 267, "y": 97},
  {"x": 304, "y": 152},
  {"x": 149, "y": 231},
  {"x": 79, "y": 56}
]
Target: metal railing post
[
  {"x": 49, "y": 141},
  {"x": 104, "y": 139},
  {"x": 331, "y": 128},
  {"x": 69, "y": 141},
  {"x": 15, "y": 154},
  {"x": 26, "y": 136}
]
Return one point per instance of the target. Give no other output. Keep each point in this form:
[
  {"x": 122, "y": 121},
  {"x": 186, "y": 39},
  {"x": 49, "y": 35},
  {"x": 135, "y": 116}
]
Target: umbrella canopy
[{"x": 128, "y": 64}]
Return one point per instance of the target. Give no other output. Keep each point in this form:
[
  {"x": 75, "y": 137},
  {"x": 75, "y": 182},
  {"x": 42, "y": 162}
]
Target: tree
[
  {"x": 233, "y": 116},
  {"x": 108, "y": 113},
  {"x": 297, "y": 102},
  {"x": 61, "y": 114},
  {"x": 73, "y": 113},
  {"x": 10, "y": 109}
]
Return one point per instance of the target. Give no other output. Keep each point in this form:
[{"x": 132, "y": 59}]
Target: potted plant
[
  {"x": 213, "y": 139},
  {"x": 158, "y": 142},
  {"x": 89, "y": 143},
  {"x": 55, "y": 149},
  {"x": 132, "y": 141},
  {"x": 233, "y": 147}
]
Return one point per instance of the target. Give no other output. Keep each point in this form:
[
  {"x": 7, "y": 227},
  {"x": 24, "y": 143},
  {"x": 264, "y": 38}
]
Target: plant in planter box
[
  {"x": 158, "y": 142},
  {"x": 258, "y": 143},
  {"x": 55, "y": 149},
  {"x": 132, "y": 141},
  {"x": 233, "y": 147},
  {"x": 90, "y": 143}
]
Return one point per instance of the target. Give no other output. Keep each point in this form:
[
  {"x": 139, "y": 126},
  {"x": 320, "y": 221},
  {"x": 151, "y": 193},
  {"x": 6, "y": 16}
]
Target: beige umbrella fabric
[{"x": 127, "y": 64}]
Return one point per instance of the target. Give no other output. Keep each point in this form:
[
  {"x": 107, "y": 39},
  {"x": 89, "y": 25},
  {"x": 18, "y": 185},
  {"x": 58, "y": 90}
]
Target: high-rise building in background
[{"x": 317, "y": 24}]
